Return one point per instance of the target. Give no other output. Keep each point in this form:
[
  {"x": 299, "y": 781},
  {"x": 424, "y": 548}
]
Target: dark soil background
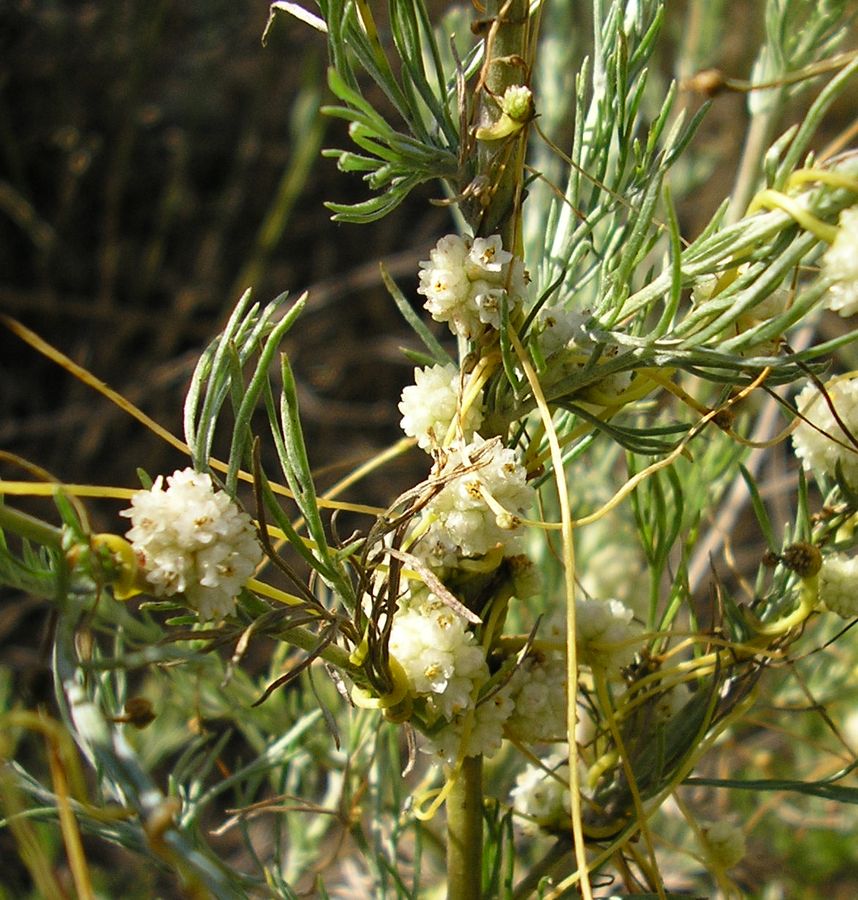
[
  {"x": 143, "y": 148},
  {"x": 142, "y": 153}
]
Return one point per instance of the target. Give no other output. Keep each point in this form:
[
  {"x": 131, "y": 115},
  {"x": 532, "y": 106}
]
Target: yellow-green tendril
[
  {"x": 808, "y": 597},
  {"x": 365, "y": 699},
  {"x": 771, "y": 199},
  {"x": 824, "y": 176},
  {"x": 128, "y": 579},
  {"x": 273, "y": 593},
  {"x": 569, "y": 586}
]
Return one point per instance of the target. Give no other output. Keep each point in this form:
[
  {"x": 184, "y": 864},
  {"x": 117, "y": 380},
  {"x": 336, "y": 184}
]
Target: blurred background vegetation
[{"x": 155, "y": 161}]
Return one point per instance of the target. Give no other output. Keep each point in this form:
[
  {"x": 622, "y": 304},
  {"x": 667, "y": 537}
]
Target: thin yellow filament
[{"x": 569, "y": 585}]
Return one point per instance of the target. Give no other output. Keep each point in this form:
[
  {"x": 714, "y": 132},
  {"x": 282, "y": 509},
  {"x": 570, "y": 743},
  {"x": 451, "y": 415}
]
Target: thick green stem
[
  {"x": 465, "y": 832},
  {"x": 29, "y": 527},
  {"x": 307, "y": 640},
  {"x": 500, "y": 162}
]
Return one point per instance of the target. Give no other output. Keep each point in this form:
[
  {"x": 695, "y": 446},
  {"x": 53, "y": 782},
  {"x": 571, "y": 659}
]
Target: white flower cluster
[
  {"x": 430, "y": 405},
  {"x": 812, "y": 439},
  {"x": 480, "y": 508},
  {"x": 840, "y": 264},
  {"x": 725, "y": 842},
  {"x": 439, "y": 654},
  {"x": 477, "y": 732},
  {"x": 838, "y": 584},
  {"x": 541, "y": 793},
  {"x": 606, "y": 634},
  {"x": 193, "y": 540},
  {"x": 560, "y": 329},
  {"x": 538, "y": 690},
  {"x": 464, "y": 281}
]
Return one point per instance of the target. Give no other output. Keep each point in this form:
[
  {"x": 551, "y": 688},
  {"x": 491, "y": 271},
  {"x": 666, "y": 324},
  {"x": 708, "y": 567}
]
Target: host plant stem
[{"x": 506, "y": 50}]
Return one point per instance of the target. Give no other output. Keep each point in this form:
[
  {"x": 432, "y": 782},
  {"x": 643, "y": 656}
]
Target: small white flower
[
  {"x": 464, "y": 282},
  {"x": 477, "y": 732},
  {"x": 838, "y": 584},
  {"x": 812, "y": 439},
  {"x": 479, "y": 509},
  {"x": 840, "y": 264},
  {"x": 560, "y": 328},
  {"x": 487, "y": 299},
  {"x": 439, "y": 654},
  {"x": 541, "y": 795},
  {"x": 538, "y": 689},
  {"x": 486, "y": 259},
  {"x": 606, "y": 634},
  {"x": 430, "y": 405},
  {"x": 193, "y": 540},
  {"x": 725, "y": 842}
]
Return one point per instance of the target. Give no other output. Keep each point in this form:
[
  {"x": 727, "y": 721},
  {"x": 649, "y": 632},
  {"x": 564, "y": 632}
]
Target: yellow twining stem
[
  {"x": 824, "y": 176},
  {"x": 129, "y": 580},
  {"x": 85, "y": 376},
  {"x": 678, "y": 451},
  {"x": 771, "y": 199},
  {"x": 807, "y": 599},
  {"x": 569, "y": 586},
  {"x": 401, "y": 686}
]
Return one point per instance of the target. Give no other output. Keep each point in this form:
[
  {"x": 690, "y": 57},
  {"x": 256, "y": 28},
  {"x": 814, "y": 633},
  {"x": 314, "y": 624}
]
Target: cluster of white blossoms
[
  {"x": 541, "y": 793},
  {"x": 840, "y": 264},
  {"x": 439, "y": 654},
  {"x": 430, "y": 405},
  {"x": 475, "y": 732},
  {"x": 566, "y": 346},
  {"x": 538, "y": 690},
  {"x": 820, "y": 442},
  {"x": 607, "y": 635},
  {"x": 464, "y": 282},
  {"x": 478, "y": 509},
  {"x": 837, "y": 580},
  {"x": 193, "y": 540},
  {"x": 560, "y": 329}
]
